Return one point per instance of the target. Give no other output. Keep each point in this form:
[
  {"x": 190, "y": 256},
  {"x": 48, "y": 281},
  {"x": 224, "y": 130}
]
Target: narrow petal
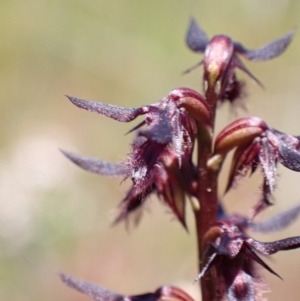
[
  {"x": 264, "y": 201},
  {"x": 289, "y": 157},
  {"x": 114, "y": 112},
  {"x": 98, "y": 166},
  {"x": 239, "y": 64},
  {"x": 177, "y": 136},
  {"x": 268, "y": 51},
  {"x": 174, "y": 197},
  {"x": 192, "y": 68},
  {"x": 95, "y": 292},
  {"x": 132, "y": 203},
  {"x": 174, "y": 184},
  {"x": 196, "y": 38},
  {"x": 242, "y": 161},
  {"x": 239, "y": 132},
  {"x": 277, "y": 222},
  {"x": 136, "y": 127},
  {"x": 255, "y": 257}
]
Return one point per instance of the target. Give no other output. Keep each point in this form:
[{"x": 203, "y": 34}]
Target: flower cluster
[{"x": 161, "y": 162}]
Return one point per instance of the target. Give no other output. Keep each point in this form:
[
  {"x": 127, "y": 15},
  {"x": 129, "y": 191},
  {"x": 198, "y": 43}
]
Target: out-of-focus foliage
[{"x": 56, "y": 217}]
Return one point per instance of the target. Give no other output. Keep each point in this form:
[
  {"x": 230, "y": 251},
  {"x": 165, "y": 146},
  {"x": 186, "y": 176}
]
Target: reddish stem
[{"x": 207, "y": 195}]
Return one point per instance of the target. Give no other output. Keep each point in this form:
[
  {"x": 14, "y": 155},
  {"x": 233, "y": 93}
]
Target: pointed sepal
[
  {"x": 98, "y": 293},
  {"x": 132, "y": 205},
  {"x": 244, "y": 158},
  {"x": 93, "y": 291},
  {"x": 276, "y": 223},
  {"x": 269, "y": 248},
  {"x": 289, "y": 156},
  {"x": 268, "y": 51},
  {"x": 98, "y": 166},
  {"x": 196, "y": 38},
  {"x": 114, "y": 112}
]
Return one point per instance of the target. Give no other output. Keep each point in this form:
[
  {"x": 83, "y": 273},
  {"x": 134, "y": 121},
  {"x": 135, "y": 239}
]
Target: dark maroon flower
[
  {"x": 232, "y": 255},
  {"x": 169, "y": 182},
  {"x": 98, "y": 293},
  {"x": 221, "y": 58},
  {"x": 161, "y": 158},
  {"x": 256, "y": 145},
  {"x": 275, "y": 223}
]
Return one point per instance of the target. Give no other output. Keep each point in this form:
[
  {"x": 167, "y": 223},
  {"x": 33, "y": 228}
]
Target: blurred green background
[{"x": 56, "y": 217}]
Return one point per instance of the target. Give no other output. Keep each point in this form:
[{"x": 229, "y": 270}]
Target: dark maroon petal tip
[
  {"x": 132, "y": 204},
  {"x": 98, "y": 166},
  {"x": 255, "y": 257},
  {"x": 268, "y": 51},
  {"x": 196, "y": 38},
  {"x": 239, "y": 64},
  {"x": 114, "y": 112}
]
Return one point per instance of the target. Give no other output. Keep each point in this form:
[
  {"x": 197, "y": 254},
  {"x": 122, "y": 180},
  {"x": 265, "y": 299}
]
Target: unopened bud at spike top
[{"x": 218, "y": 54}]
